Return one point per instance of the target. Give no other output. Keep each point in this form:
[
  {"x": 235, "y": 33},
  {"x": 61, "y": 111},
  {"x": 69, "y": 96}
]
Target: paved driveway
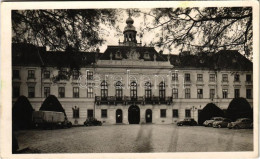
[{"x": 136, "y": 138}]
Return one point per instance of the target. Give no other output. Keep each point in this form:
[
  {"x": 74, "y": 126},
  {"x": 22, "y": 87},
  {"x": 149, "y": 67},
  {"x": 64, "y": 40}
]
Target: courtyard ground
[{"x": 136, "y": 138}]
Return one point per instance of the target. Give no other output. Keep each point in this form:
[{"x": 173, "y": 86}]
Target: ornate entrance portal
[
  {"x": 133, "y": 114},
  {"x": 148, "y": 116},
  {"x": 119, "y": 116}
]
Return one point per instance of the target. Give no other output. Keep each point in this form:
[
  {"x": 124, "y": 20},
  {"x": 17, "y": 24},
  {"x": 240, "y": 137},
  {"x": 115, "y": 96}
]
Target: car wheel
[
  {"x": 236, "y": 127},
  {"x": 210, "y": 125},
  {"x": 219, "y": 126}
]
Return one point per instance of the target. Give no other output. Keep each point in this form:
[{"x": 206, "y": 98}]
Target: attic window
[
  {"x": 146, "y": 56},
  {"x": 118, "y": 55}
]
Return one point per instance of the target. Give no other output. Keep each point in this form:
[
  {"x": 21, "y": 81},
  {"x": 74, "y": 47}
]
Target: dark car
[
  {"x": 242, "y": 123},
  {"x": 187, "y": 121},
  {"x": 221, "y": 123},
  {"x": 92, "y": 122}
]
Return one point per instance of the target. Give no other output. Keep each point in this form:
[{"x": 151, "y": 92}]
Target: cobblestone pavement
[{"x": 136, "y": 138}]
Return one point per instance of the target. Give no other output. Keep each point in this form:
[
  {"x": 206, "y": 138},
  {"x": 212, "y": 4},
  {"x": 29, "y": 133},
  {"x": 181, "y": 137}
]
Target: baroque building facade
[{"x": 130, "y": 83}]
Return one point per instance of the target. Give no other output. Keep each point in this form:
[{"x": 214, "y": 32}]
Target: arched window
[
  {"x": 148, "y": 91},
  {"x": 119, "y": 90},
  {"x": 162, "y": 91},
  {"x": 104, "y": 90},
  {"x": 133, "y": 91}
]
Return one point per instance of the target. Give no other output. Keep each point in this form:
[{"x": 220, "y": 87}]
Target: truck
[{"x": 50, "y": 119}]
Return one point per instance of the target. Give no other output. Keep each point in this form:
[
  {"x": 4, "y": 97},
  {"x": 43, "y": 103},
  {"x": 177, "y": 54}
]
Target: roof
[
  {"x": 124, "y": 50},
  {"x": 30, "y": 55}
]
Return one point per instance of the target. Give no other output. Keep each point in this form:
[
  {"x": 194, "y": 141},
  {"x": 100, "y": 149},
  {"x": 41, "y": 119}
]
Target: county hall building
[{"x": 131, "y": 83}]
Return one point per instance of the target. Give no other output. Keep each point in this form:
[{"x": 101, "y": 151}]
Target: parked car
[
  {"x": 241, "y": 123},
  {"x": 222, "y": 123},
  {"x": 92, "y": 122},
  {"x": 209, "y": 123},
  {"x": 187, "y": 121}
]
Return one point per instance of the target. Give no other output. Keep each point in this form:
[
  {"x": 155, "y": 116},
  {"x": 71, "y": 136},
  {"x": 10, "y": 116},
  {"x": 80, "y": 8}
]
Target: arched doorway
[
  {"x": 133, "y": 114},
  {"x": 148, "y": 116},
  {"x": 119, "y": 116}
]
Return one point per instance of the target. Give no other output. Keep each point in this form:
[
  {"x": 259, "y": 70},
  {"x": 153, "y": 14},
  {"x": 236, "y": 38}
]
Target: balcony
[{"x": 127, "y": 100}]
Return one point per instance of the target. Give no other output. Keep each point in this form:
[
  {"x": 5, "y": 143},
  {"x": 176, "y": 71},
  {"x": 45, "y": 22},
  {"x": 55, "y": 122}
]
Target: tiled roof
[{"x": 29, "y": 55}]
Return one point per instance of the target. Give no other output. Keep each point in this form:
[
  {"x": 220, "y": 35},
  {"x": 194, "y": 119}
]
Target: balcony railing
[{"x": 112, "y": 100}]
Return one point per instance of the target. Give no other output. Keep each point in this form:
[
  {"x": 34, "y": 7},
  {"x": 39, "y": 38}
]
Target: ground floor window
[
  {"x": 16, "y": 92},
  {"x": 103, "y": 113},
  {"x": 187, "y": 113},
  {"x": 75, "y": 110},
  {"x": 46, "y": 91},
  {"x": 237, "y": 93},
  {"x": 61, "y": 92},
  {"x": 163, "y": 113},
  {"x": 31, "y": 92},
  {"x": 187, "y": 93},
  {"x": 175, "y": 113},
  {"x": 90, "y": 113}
]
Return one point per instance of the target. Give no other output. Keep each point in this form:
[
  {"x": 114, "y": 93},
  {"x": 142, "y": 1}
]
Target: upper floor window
[
  {"x": 236, "y": 77},
  {"x": 16, "y": 74},
  {"x": 248, "y": 93},
  {"x": 46, "y": 91},
  {"x": 75, "y": 92},
  {"x": 212, "y": 77},
  {"x": 119, "y": 90},
  {"x": 89, "y": 75},
  {"x": 31, "y": 92},
  {"x": 187, "y": 77},
  {"x": 248, "y": 78},
  {"x": 133, "y": 90},
  {"x": 46, "y": 74},
  {"x": 148, "y": 90},
  {"x": 211, "y": 93},
  {"x": 31, "y": 74},
  {"x": 104, "y": 90},
  {"x": 225, "y": 93},
  {"x": 225, "y": 77},
  {"x": 187, "y": 93},
  {"x": 199, "y": 77},
  {"x": 162, "y": 90},
  {"x": 61, "y": 92},
  {"x": 90, "y": 92},
  {"x": 75, "y": 74},
  {"x": 175, "y": 76},
  {"x": 200, "y": 93},
  {"x": 175, "y": 93}
]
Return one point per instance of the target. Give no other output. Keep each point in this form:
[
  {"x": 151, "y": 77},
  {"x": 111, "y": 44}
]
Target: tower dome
[
  {"x": 129, "y": 20},
  {"x": 129, "y": 32}
]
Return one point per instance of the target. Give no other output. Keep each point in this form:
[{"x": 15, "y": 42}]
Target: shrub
[{"x": 209, "y": 111}]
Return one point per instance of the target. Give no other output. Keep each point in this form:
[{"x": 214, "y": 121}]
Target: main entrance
[
  {"x": 119, "y": 116},
  {"x": 148, "y": 116},
  {"x": 133, "y": 114}
]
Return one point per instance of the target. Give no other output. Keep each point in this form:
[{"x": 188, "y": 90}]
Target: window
[
  {"x": 89, "y": 75},
  {"x": 103, "y": 113},
  {"x": 31, "y": 74},
  {"x": 16, "y": 91},
  {"x": 236, "y": 77},
  {"x": 162, "y": 90},
  {"x": 75, "y": 74},
  {"x": 46, "y": 74},
  {"x": 187, "y": 93},
  {"x": 225, "y": 93},
  {"x": 175, "y": 113},
  {"x": 46, "y": 91},
  {"x": 187, "y": 113},
  {"x": 225, "y": 78},
  {"x": 212, "y": 77},
  {"x": 248, "y": 78},
  {"x": 119, "y": 90},
  {"x": 163, "y": 113},
  {"x": 175, "y": 76},
  {"x": 90, "y": 113},
  {"x": 75, "y": 92},
  {"x": 104, "y": 90},
  {"x": 237, "y": 93},
  {"x": 31, "y": 92},
  {"x": 16, "y": 74},
  {"x": 248, "y": 93},
  {"x": 90, "y": 93},
  {"x": 211, "y": 93},
  {"x": 175, "y": 93},
  {"x": 200, "y": 93},
  {"x": 61, "y": 92},
  {"x": 199, "y": 77},
  {"x": 63, "y": 74},
  {"x": 133, "y": 91},
  {"x": 187, "y": 77},
  {"x": 75, "y": 110},
  {"x": 148, "y": 91}
]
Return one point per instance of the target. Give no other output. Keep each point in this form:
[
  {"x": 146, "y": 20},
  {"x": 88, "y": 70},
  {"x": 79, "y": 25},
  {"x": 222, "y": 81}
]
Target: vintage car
[
  {"x": 187, "y": 121},
  {"x": 209, "y": 123},
  {"x": 241, "y": 123},
  {"x": 222, "y": 123},
  {"x": 92, "y": 122}
]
